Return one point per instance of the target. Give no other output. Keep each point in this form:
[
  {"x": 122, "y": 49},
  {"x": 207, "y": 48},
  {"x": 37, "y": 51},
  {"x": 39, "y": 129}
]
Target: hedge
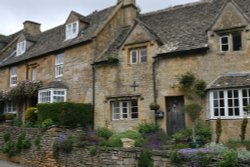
[{"x": 66, "y": 113}]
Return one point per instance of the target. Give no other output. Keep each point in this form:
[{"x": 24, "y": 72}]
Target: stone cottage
[{"x": 122, "y": 61}]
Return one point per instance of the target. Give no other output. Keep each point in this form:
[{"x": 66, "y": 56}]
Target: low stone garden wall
[{"x": 80, "y": 156}]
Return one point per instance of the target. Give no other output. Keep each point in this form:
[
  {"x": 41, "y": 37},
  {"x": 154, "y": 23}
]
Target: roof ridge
[{"x": 177, "y": 7}]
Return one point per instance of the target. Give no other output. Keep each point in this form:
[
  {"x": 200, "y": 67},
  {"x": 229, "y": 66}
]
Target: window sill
[{"x": 228, "y": 118}]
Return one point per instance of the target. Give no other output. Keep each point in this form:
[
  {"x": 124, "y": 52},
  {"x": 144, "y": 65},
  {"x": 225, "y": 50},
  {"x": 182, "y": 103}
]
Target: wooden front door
[{"x": 175, "y": 114}]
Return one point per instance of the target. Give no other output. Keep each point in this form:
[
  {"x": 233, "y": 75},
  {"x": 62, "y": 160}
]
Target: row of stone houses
[{"x": 122, "y": 61}]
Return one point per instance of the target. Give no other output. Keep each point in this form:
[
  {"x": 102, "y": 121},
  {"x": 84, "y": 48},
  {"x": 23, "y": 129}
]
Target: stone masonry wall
[{"x": 80, "y": 156}]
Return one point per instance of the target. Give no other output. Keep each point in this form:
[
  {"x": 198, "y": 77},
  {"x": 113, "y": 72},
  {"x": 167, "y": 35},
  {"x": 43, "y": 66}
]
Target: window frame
[
  {"x": 13, "y": 76},
  {"x": 59, "y": 65},
  {"x": 139, "y": 55},
  {"x": 71, "y": 30},
  {"x": 123, "y": 112},
  {"x": 10, "y": 107},
  {"x": 52, "y": 94},
  {"x": 21, "y": 48},
  {"x": 231, "y": 41},
  {"x": 211, "y": 106}
]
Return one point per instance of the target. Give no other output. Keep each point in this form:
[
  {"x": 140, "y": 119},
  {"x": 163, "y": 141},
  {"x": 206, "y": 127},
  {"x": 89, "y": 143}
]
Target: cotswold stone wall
[{"x": 80, "y": 156}]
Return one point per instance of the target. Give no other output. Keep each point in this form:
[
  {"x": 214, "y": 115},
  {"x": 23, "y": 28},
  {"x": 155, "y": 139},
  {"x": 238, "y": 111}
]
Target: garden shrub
[
  {"x": 145, "y": 159},
  {"x": 175, "y": 157},
  {"x": 31, "y": 114},
  {"x": 182, "y": 135},
  {"x": 66, "y": 113},
  {"x": 186, "y": 80},
  {"x": 148, "y": 128},
  {"x": 155, "y": 140},
  {"x": 17, "y": 122},
  {"x": 229, "y": 159},
  {"x": 200, "y": 88},
  {"x": 9, "y": 148},
  {"x": 104, "y": 132},
  {"x": 203, "y": 132},
  {"x": 115, "y": 140},
  {"x": 243, "y": 129},
  {"x": 46, "y": 123}
]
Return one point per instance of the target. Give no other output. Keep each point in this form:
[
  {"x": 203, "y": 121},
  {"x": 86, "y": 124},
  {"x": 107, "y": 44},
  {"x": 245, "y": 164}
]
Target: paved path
[{"x": 9, "y": 164}]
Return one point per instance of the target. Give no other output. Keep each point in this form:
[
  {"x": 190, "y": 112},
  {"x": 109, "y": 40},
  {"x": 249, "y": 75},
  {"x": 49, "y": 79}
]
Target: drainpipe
[
  {"x": 93, "y": 93},
  {"x": 154, "y": 86}
]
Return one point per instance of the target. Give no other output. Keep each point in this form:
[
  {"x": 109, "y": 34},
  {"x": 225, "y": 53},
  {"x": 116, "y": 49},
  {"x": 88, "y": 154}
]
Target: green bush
[
  {"x": 9, "y": 148},
  {"x": 17, "y": 122},
  {"x": 187, "y": 80},
  {"x": 66, "y": 113},
  {"x": 203, "y": 132},
  {"x": 145, "y": 159},
  {"x": 229, "y": 159},
  {"x": 6, "y": 136},
  {"x": 200, "y": 88},
  {"x": 46, "y": 123},
  {"x": 10, "y": 116},
  {"x": 218, "y": 129},
  {"x": 115, "y": 140},
  {"x": 145, "y": 128},
  {"x": 104, "y": 132},
  {"x": 182, "y": 135},
  {"x": 175, "y": 157},
  {"x": 31, "y": 115}
]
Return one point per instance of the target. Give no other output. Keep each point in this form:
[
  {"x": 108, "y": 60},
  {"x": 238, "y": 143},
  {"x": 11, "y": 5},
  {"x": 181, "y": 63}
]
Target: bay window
[
  {"x": 52, "y": 95},
  {"x": 228, "y": 103}
]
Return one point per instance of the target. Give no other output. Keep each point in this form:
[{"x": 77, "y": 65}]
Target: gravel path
[{"x": 9, "y": 164}]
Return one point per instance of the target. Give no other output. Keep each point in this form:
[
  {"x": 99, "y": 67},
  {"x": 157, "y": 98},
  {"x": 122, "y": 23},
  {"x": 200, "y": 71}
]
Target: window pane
[
  {"x": 237, "y": 112},
  {"x": 143, "y": 53},
  {"x": 244, "y": 92},
  {"x": 224, "y": 40},
  {"x": 216, "y": 112},
  {"x": 134, "y": 56},
  {"x": 230, "y": 112},
  {"x": 222, "y": 112},
  {"x": 237, "y": 43}
]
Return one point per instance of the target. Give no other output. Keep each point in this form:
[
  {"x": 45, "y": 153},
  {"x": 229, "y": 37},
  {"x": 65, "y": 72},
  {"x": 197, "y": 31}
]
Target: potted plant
[
  {"x": 193, "y": 111},
  {"x": 154, "y": 106}
]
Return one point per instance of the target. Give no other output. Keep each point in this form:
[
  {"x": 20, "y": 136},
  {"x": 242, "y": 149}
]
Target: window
[
  {"x": 59, "y": 60},
  {"x": 72, "y": 30},
  {"x": 33, "y": 74},
  {"x": 9, "y": 107},
  {"x": 228, "y": 103},
  {"x": 231, "y": 42},
  {"x": 138, "y": 55},
  {"x": 21, "y": 48},
  {"x": 52, "y": 95},
  {"x": 124, "y": 110},
  {"x": 13, "y": 76}
]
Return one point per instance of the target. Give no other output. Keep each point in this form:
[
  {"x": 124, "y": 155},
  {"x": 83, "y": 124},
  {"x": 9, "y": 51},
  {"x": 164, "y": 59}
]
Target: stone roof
[
  {"x": 183, "y": 27},
  {"x": 54, "y": 39},
  {"x": 231, "y": 81}
]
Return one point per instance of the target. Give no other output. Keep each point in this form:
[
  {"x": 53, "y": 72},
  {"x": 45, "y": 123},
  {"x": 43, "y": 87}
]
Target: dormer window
[
  {"x": 21, "y": 48},
  {"x": 231, "y": 42},
  {"x": 138, "y": 55},
  {"x": 72, "y": 30}
]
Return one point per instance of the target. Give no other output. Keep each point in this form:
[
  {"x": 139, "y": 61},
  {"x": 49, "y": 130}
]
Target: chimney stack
[
  {"x": 126, "y": 2},
  {"x": 31, "y": 27}
]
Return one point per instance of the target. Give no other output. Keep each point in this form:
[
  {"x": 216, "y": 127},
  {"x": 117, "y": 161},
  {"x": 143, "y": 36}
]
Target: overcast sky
[{"x": 51, "y": 13}]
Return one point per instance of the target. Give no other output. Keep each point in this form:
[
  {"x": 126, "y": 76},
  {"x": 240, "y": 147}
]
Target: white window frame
[
  {"x": 59, "y": 63},
  {"x": 137, "y": 52},
  {"x": 52, "y": 94},
  {"x": 211, "y": 107},
  {"x": 21, "y": 48},
  {"x": 71, "y": 30},
  {"x": 226, "y": 44},
  {"x": 122, "y": 111},
  {"x": 10, "y": 107},
  {"x": 13, "y": 76}
]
